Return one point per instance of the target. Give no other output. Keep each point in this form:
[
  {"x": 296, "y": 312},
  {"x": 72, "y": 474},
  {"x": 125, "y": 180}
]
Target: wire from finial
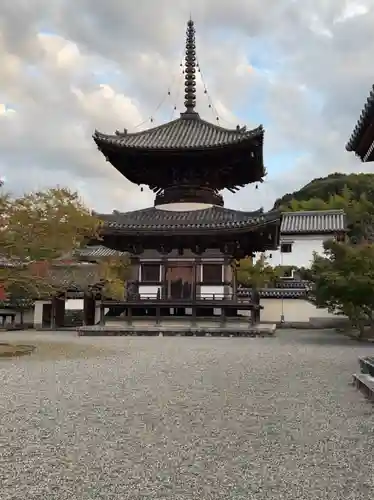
[{"x": 190, "y": 69}]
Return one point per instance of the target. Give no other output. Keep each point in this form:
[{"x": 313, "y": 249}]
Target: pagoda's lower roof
[
  {"x": 187, "y": 132},
  {"x": 213, "y": 218}
]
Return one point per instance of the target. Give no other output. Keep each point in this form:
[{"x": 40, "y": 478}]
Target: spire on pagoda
[{"x": 190, "y": 70}]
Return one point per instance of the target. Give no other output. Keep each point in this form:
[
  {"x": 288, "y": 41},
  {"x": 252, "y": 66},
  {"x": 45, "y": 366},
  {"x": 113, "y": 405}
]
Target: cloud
[{"x": 68, "y": 67}]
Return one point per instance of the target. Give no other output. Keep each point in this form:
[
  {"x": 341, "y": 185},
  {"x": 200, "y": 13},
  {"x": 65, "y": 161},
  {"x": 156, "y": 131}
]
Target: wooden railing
[{"x": 206, "y": 297}]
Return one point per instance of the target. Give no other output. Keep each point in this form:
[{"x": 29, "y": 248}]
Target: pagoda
[{"x": 188, "y": 238}]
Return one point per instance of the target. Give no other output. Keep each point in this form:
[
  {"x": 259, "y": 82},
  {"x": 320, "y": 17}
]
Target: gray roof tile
[
  {"x": 154, "y": 219},
  {"x": 366, "y": 118},
  {"x": 292, "y": 223},
  {"x": 98, "y": 251},
  {"x": 318, "y": 221},
  {"x": 185, "y": 132},
  {"x": 275, "y": 293}
]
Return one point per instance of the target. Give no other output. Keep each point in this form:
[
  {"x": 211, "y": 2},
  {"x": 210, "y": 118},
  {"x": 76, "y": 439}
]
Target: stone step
[
  {"x": 367, "y": 365},
  {"x": 365, "y": 383},
  {"x": 261, "y": 330}
]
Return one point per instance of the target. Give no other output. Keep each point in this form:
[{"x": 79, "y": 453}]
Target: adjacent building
[{"x": 303, "y": 234}]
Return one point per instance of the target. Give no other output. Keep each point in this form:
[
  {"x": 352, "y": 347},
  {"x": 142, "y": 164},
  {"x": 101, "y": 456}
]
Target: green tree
[
  {"x": 114, "y": 272},
  {"x": 353, "y": 193},
  {"x": 38, "y": 228},
  {"x": 343, "y": 282},
  {"x": 258, "y": 274},
  {"x": 42, "y": 227}
]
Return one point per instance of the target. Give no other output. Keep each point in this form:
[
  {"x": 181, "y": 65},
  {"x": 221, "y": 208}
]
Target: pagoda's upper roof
[
  {"x": 187, "y": 132},
  {"x": 365, "y": 121},
  {"x": 213, "y": 218},
  {"x": 189, "y": 152}
]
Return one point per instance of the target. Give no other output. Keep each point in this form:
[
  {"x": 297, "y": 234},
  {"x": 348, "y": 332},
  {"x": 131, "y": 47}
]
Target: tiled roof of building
[
  {"x": 366, "y": 118},
  {"x": 213, "y": 218},
  {"x": 276, "y": 293},
  {"x": 187, "y": 132},
  {"x": 78, "y": 276},
  {"x": 98, "y": 251},
  {"x": 313, "y": 222}
]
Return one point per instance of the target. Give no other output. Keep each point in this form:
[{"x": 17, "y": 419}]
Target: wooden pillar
[
  {"x": 223, "y": 316},
  {"x": 88, "y": 310},
  {"x": 135, "y": 270},
  {"x": 60, "y": 312},
  {"x": 256, "y": 301},
  {"x": 197, "y": 288},
  {"x": 102, "y": 314},
  {"x": 164, "y": 284},
  {"x": 227, "y": 277},
  {"x": 158, "y": 315},
  {"x": 234, "y": 283},
  {"x": 194, "y": 280},
  {"x": 252, "y": 319},
  {"x": 194, "y": 314},
  {"x": 53, "y": 313},
  {"x": 129, "y": 315}
]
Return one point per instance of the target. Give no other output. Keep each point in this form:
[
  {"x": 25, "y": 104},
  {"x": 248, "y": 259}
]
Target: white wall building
[{"x": 303, "y": 233}]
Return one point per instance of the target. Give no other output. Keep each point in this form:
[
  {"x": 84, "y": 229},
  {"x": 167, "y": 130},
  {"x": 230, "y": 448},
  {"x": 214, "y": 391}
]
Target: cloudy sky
[{"x": 302, "y": 68}]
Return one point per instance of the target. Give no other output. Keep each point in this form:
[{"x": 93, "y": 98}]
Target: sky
[{"x": 301, "y": 68}]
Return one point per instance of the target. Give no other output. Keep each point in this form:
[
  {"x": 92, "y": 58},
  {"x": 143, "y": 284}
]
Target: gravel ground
[{"x": 186, "y": 418}]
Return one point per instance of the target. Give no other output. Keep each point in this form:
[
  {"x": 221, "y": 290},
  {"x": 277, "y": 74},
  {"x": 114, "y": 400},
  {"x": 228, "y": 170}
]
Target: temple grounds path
[{"x": 185, "y": 418}]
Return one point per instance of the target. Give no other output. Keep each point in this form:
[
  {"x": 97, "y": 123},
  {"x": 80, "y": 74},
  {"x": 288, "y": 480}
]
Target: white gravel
[{"x": 188, "y": 418}]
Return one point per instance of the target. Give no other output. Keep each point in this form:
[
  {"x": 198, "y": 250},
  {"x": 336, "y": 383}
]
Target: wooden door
[{"x": 180, "y": 281}]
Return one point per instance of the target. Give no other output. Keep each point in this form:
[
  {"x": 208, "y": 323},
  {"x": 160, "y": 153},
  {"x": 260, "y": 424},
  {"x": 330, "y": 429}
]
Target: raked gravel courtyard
[{"x": 185, "y": 418}]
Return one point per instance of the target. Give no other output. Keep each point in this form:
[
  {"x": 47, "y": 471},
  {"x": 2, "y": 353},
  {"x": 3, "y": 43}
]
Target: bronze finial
[{"x": 190, "y": 69}]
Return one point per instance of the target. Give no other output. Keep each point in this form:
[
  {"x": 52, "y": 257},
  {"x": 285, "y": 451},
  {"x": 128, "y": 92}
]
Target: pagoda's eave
[
  {"x": 106, "y": 143},
  {"x": 106, "y": 147},
  {"x": 175, "y": 231}
]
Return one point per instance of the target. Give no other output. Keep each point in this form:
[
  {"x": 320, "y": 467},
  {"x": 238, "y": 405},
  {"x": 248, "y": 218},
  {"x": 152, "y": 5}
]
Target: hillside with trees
[{"x": 354, "y": 193}]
